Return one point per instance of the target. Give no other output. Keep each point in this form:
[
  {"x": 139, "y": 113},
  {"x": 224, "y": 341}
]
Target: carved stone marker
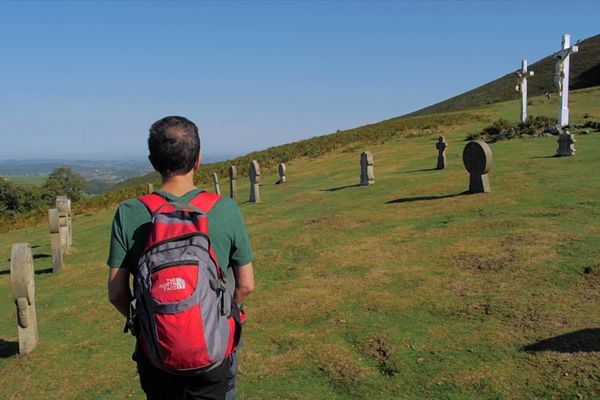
[
  {"x": 233, "y": 182},
  {"x": 55, "y": 240},
  {"x": 477, "y": 157},
  {"x": 149, "y": 188},
  {"x": 566, "y": 144},
  {"x": 62, "y": 204},
  {"x": 70, "y": 223},
  {"x": 281, "y": 170},
  {"x": 441, "y": 147},
  {"x": 254, "y": 175},
  {"x": 215, "y": 179},
  {"x": 367, "y": 176},
  {"x": 23, "y": 290}
]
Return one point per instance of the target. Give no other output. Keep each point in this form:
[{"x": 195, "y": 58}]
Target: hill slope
[
  {"x": 585, "y": 72},
  {"x": 405, "y": 290}
]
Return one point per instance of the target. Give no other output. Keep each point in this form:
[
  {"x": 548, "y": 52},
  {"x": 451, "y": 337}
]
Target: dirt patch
[
  {"x": 340, "y": 368},
  {"x": 493, "y": 262},
  {"x": 379, "y": 348}
]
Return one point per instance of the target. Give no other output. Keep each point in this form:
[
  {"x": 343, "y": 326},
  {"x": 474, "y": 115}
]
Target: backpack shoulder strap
[
  {"x": 154, "y": 202},
  {"x": 205, "y": 201}
]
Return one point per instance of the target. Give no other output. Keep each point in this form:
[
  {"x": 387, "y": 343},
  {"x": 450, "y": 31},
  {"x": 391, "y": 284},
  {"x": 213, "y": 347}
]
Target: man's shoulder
[
  {"x": 225, "y": 205},
  {"x": 132, "y": 209},
  {"x": 131, "y": 205}
]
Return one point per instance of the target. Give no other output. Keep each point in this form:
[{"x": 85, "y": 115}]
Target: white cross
[
  {"x": 561, "y": 78},
  {"x": 522, "y": 87}
]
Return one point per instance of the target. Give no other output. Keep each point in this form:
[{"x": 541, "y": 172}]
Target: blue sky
[{"x": 86, "y": 79}]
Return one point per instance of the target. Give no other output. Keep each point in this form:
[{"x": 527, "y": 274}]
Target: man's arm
[
  {"x": 244, "y": 282},
  {"x": 119, "y": 293}
]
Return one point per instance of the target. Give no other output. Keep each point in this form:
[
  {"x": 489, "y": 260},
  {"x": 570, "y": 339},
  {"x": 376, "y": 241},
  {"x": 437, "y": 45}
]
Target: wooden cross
[
  {"x": 522, "y": 76},
  {"x": 561, "y": 79}
]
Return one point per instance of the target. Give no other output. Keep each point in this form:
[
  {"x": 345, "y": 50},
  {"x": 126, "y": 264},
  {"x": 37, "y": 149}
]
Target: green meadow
[
  {"x": 37, "y": 181},
  {"x": 408, "y": 289}
]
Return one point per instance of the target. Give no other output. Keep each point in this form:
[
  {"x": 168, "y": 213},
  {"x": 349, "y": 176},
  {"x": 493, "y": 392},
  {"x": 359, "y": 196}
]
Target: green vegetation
[
  {"x": 37, "y": 181},
  {"x": 25, "y": 204},
  {"x": 585, "y": 72},
  {"x": 405, "y": 290}
]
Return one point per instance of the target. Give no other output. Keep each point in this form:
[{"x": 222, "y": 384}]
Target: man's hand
[
  {"x": 119, "y": 293},
  {"x": 244, "y": 282}
]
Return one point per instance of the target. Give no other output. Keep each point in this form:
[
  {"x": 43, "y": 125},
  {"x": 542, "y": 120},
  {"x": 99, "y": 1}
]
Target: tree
[{"x": 63, "y": 181}]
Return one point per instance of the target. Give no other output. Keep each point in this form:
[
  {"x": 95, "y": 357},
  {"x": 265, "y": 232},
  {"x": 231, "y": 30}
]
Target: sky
[{"x": 87, "y": 79}]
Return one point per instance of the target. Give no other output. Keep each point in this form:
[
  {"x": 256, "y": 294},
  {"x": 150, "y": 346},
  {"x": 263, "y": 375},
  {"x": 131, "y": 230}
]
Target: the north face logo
[{"x": 172, "y": 284}]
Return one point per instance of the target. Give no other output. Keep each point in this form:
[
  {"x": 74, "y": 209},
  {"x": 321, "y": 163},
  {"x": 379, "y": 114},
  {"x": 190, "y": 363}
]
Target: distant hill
[{"x": 585, "y": 72}]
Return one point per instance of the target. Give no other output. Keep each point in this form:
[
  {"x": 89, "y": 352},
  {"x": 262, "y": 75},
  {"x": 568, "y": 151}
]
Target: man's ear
[{"x": 197, "y": 163}]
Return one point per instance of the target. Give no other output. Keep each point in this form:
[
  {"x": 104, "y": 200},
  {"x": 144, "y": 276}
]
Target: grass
[
  {"x": 37, "y": 181},
  {"x": 409, "y": 289}
]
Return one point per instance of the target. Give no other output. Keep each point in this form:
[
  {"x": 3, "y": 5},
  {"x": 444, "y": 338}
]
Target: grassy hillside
[
  {"x": 37, "y": 181},
  {"x": 317, "y": 146},
  {"x": 409, "y": 289},
  {"x": 585, "y": 72}
]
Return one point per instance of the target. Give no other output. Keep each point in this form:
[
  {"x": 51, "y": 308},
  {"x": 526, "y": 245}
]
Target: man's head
[{"x": 174, "y": 146}]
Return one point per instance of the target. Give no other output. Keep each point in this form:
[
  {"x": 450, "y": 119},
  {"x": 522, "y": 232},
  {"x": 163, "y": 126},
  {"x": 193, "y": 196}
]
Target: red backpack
[{"x": 187, "y": 321}]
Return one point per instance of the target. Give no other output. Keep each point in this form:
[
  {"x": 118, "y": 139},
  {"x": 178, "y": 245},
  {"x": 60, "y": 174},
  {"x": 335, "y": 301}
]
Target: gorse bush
[{"x": 502, "y": 129}]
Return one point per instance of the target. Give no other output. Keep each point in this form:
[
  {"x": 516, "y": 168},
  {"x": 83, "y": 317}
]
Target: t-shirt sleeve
[
  {"x": 118, "y": 246},
  {"x": 241, "y": 251}
]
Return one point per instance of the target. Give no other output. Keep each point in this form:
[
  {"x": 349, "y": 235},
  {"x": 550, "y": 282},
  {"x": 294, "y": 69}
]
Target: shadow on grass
[
  {"x": 5, "y": 272},
  {"x": 43, "y": 271},
  {"x": 36, "y": 256},
  {"x": 425, "y": 198},
  {"x": 335, "y": 189},
  {"x": 582, "y": 341},
  {"x": 541, "y": 157},
  {"x": 8, "y": 349},
  {"x": 412, "y": 171}
]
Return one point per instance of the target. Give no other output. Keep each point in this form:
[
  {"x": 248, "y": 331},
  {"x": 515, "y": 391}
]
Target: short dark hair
[{"x": 174, "y": 145}]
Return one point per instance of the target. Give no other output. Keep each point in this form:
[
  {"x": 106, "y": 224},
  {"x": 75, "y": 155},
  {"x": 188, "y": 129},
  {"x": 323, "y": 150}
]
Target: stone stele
[
  {"x": 441, "y": 146},
  {"x": 149, "y": 188},
  {"x": 282, "y": 171},
  {"x": 233, "y": 182},
  {"x": 23, "y": 290},
  {"x": 215, "y": 179},
  {"x": 477, "y": 157},
  {"x": 254, "y": 175},
  {"x": 367, "y": 175},
  {"x": 566, "y": 144},
  {"x": 55, "y": 240},
  {"x": 62, "y": 204}
]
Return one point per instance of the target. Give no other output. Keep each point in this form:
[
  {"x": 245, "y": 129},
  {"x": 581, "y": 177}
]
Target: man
[{"x": 174, "y": 147}]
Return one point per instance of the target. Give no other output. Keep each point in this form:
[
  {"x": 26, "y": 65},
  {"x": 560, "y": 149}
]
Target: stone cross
[
  {"x": 477, "y": 157},
  {"x": 281, "y": 170},
  {"x": 441, "y": 147},
  {"x": 233, "y": 182},
  {"x": 566, "y": 144},
  {"x": 561, "y": 78},
  {"x": 62, "y": 204},
  {"x": 149, "y": 188},
  {"x": 521, "y": 87},
  {"x": 254, "y": 175},
  {"x": 215, "y": 179},
  {"x": 55, "y": 240},
  {"x": 23, "y": 290},
  {"x": 367, "y": 176}
]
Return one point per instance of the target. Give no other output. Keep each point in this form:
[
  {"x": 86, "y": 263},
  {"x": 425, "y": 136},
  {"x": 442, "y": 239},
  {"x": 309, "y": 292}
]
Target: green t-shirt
[{"x": 226, "y": 229}]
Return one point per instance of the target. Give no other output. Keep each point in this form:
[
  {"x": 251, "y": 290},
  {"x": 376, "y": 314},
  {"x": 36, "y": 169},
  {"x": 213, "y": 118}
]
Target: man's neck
[{"x": 178, "y": 185}]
